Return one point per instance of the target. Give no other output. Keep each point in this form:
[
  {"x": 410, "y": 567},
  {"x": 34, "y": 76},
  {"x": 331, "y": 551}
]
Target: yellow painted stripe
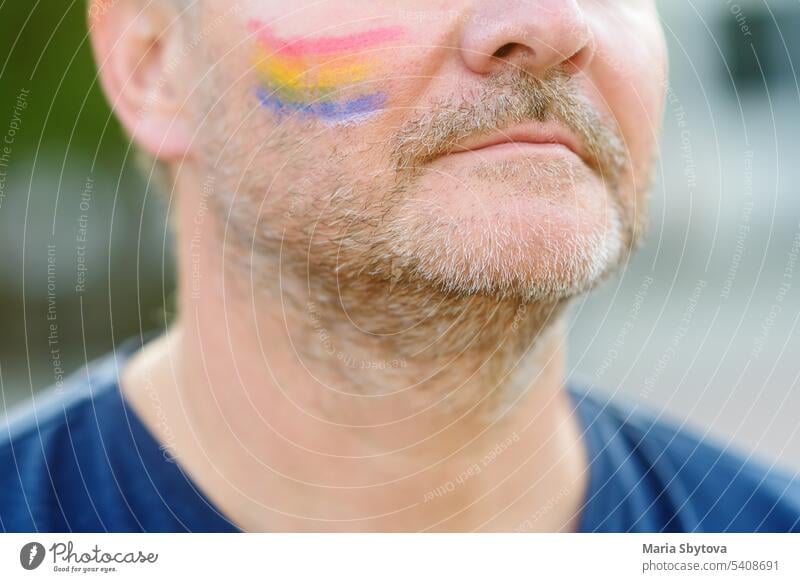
[{"x": 301, "y": 74}]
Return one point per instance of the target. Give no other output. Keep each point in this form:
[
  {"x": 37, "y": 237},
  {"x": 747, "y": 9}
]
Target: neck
[{"x": 290, "y": 421}]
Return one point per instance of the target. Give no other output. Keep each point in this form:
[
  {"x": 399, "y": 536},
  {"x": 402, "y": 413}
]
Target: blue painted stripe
[{"x": 324, "y": 110}]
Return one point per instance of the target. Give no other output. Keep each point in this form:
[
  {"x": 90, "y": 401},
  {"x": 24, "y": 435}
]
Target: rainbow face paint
[{"x": 310, "y": 75}]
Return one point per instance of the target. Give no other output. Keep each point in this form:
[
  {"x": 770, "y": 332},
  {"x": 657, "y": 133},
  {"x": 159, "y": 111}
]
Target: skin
[{"x": 368, "y": 313}]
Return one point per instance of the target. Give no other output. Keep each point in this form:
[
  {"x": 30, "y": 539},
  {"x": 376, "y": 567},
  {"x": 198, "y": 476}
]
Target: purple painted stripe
[{"x": 325, "y": 110}]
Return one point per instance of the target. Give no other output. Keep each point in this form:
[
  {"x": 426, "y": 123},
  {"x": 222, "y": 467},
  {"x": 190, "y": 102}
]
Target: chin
[{"x": 489, "y": 232}]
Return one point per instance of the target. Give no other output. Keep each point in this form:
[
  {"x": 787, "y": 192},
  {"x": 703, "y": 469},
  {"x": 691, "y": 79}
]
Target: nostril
[
  {"x": 504, "y": 50},
  {"x": 514, "y": 53}
]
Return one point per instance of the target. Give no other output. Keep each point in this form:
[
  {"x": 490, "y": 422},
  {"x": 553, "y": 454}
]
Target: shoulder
[
  {"x": 41, "y": 445},
  {"x": 686, "y": 480},
  {"x": 79, "y": 459}
]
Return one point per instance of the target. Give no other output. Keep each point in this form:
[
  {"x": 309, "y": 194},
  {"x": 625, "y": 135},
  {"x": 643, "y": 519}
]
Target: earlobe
[{"x": 134, "y": 43}]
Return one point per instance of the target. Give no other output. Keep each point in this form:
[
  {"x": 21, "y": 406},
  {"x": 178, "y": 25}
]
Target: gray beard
[{"x": 374, "y": 326}]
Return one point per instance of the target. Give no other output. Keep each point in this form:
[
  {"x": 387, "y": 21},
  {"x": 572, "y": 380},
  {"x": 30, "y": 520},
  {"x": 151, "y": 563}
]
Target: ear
[{"x": 137, "y": 45}]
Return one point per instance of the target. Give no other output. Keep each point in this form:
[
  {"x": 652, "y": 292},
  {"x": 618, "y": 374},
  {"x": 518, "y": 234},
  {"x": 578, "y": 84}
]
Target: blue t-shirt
[{"x": 80, "y": 460}]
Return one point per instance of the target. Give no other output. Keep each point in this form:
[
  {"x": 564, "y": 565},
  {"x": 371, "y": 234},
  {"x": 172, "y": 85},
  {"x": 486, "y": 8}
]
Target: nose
[{"x": 534, "y": 35}]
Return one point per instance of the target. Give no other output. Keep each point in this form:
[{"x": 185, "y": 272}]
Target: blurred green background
[
  {"x": 74, "y": 210},
  {"x": 703, "y": 324}
]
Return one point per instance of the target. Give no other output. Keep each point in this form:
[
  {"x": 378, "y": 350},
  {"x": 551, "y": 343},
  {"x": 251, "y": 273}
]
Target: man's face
[{"x": 491, "y": 147}]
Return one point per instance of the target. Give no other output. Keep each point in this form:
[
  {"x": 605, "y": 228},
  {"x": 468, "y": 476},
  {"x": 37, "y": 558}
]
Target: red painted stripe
[{"x": 326, "y": 45}]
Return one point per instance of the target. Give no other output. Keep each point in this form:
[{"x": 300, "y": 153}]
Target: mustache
[{"x": 510, "y": 98}]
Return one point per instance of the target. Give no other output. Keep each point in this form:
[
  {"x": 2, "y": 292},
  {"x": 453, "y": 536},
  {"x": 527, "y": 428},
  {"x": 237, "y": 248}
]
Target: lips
[{"x": 549, "y": 133}]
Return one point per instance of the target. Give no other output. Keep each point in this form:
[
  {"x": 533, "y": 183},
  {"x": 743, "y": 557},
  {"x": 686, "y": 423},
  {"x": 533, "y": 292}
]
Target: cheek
[
  {"x": 629, "y": 72},
  {"x": 311, "y": 71}
]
